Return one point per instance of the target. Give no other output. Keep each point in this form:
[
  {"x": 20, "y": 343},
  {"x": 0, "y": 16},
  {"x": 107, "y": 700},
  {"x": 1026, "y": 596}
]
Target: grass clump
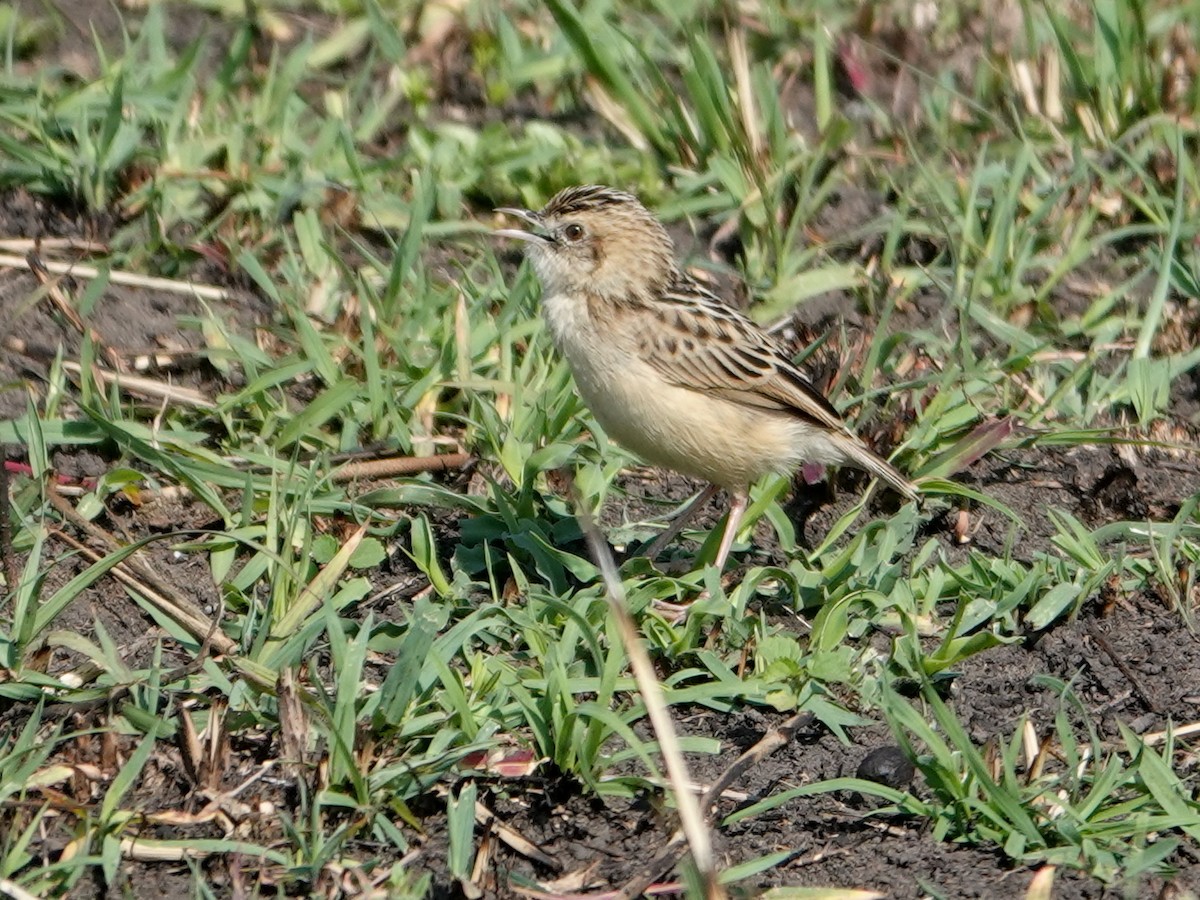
[{"x": 227, "y": 648}]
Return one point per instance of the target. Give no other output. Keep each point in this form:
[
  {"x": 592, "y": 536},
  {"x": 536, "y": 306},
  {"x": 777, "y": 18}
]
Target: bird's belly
[
  {"x": 686, "y": 430},
  {"x": 690, "y": 431}
]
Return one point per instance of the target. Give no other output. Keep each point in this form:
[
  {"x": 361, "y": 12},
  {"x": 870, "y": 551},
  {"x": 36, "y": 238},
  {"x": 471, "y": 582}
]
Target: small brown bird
[{"x": 669, "y": 370}]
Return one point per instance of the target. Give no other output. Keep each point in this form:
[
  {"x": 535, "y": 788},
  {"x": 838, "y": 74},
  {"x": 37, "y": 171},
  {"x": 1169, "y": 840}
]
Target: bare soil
[{"x": 1128, "y": 657}]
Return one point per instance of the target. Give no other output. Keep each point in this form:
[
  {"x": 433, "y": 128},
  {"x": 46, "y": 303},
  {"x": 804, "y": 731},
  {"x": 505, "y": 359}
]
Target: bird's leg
[
  {"x": 737, "y": 509},
  {"x": 677, "y": 524}
]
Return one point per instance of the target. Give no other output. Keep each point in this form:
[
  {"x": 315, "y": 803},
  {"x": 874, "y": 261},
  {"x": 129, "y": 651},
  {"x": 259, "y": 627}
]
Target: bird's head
[{"x": 593, "y": 239}]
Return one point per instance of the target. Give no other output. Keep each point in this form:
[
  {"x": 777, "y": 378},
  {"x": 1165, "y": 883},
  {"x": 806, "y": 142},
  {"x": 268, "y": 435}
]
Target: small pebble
[{"x": 887, "y": 766}]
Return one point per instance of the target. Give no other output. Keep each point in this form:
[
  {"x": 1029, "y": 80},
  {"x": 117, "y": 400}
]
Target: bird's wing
[{"x": 703, "y": 344}]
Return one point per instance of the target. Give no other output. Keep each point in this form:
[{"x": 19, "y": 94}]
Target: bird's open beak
[{"x": 525, "y": 215}]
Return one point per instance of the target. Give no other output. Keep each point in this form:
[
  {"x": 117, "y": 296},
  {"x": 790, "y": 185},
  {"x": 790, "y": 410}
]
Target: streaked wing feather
[{"x": 706, "y": 345}]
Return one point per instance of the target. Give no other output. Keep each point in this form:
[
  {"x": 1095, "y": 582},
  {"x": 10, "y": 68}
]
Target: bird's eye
[{"x": 573, "y": 232}]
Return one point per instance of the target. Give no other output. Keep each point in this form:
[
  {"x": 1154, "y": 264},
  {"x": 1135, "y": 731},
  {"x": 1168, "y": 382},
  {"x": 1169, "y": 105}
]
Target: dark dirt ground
[{"x": 1130, "y": 661}]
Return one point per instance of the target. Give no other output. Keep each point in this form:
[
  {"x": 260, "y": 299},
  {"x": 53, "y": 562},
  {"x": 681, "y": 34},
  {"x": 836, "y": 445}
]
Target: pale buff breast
[{"x": 678, "y": 428}]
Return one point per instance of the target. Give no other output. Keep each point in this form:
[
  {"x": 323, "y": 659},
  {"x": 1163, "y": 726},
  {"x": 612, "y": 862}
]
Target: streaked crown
[
  {"x": 598, "y": 240},
  {"x": 587, "y": 197}
]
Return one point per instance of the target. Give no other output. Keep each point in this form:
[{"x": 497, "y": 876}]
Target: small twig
[
  {"x": 182, "y": 611},
  {"x": 157, "y": 852},
  {"x": 14, "y": 890},
  {"x": 163, "y": 359},
  {"x": 134, "y": 359},
  {"x": 194, "y": 666},
  {"x": 767, "y": 744},
  {"x": 821, "y": 856},
  {"x": 55, "y": 292},
  {"x": 24, "y": 245},
  {"x": 486, "y": 817},
  {"x": 680, "y": 522},
  {"x": 129, "y": 279},
  {"x": 6, "y": 549},
  {"x": 471, "y": 886},
  {"x": 1129, "y": 674},
  {"x": 667, "y": 858},
  {"x": 366, "y": 470},
  {"x": 1179, "y": 731},
  {"x": 146, "y": 582},
  {"x": 146, "y": 387},
  {"x": 690, "y": 817},
  {"x": 398, "y": 466}
]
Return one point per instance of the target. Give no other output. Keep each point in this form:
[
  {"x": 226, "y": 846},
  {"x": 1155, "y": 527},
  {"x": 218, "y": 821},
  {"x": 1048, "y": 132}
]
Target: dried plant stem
[
  {"x": 141, "y": 579},
  {"x": 399, "y": 466},
  {"x": 668, "y": 856},
  {"x": 129, "y": 279},
  {"x": 691, "y": 819}
]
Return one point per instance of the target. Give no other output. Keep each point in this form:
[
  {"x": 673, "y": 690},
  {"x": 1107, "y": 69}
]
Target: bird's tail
[{"x": 858, "y": 454}]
